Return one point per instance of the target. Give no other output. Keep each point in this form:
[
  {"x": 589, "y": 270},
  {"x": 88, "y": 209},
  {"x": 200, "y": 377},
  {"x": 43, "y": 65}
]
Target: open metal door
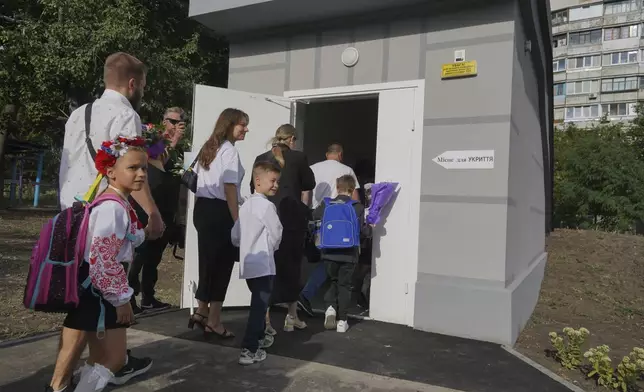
[{"x": 266, "y": 114}]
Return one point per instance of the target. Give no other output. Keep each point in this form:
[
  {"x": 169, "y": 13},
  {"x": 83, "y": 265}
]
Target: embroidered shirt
[
  {"x": 112, "y": 235},
  {"x": 258, "y": 233}
]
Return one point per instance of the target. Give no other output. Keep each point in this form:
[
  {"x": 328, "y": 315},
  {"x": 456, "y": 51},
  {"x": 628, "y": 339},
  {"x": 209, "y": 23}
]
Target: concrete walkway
[{"x": 185, "y": 365}]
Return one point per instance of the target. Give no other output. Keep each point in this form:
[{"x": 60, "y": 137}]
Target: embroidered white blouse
[
  {"x": 258, "y": 233},
  {"x": 112, "y": 235}
]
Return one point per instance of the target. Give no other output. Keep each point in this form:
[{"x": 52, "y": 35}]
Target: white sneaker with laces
[
  {"x": 329, "y": 318},
  {"x": 343, "y": 326},
  {"x": 248, "y": 358}
]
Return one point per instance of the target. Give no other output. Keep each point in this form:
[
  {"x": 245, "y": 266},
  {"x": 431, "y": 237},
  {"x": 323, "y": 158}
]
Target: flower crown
[{"x": 111, "y": 150}]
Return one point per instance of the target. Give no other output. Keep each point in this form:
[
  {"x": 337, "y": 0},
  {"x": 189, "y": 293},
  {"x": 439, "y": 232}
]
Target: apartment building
[{"x": 598, "y": 59}]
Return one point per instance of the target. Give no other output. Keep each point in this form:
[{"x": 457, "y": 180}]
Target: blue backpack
[{"x": 340, "y": 227}]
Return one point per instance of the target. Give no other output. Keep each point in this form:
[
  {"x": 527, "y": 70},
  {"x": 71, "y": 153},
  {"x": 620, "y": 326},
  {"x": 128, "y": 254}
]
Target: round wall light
[{"x": 350, "y": 57}]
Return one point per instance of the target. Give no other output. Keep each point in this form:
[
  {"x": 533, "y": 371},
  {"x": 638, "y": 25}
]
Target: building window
[
  {"x": 559, "y": 65},
  {"x": 619, "y": 109},
  {"x": 619, "y": 7},
  {"x": 619, "y": 84},
  {"x": 585, "y": 12},
  {"x": 582, "y": 112},
  {"x": 559, "y": 17},
  {"x": 621, "y": 32},
  {"x": 641, "y": 82},
  {"x": 559, "y": 41},
  {"x": 582, "y": 87},
  {"x": 584, "y": 62},
  {"x": 620, "y": 58},
  {"x": 559, "y": 89},
  {"x": 586, "y": 37}
]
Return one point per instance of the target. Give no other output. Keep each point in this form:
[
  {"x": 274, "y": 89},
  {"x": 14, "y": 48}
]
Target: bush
[{"x": 599, "y": 177}]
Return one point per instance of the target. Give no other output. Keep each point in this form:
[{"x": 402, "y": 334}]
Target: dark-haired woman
[
  {"x": 220, "y": 174},
  {"x": 296, "y": 182}
]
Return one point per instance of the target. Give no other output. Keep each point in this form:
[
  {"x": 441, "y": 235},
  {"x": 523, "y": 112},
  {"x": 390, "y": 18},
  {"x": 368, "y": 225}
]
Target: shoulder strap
[
  {"x": 194, "y": 162},
  {"x": 88, "y": 121}
]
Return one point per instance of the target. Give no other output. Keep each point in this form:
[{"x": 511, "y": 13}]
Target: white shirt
[
  {"x": 112, "y": 116},
  {"x": 326, "y": 173},
  {"x": 258, "y": 233},
  {"x": 226, "y": 168}
]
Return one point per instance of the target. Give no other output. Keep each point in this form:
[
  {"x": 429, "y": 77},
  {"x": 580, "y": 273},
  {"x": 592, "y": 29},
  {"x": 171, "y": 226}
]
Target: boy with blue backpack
[{"x": 341, "y": 227}]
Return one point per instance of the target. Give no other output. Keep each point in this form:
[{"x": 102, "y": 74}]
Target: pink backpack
[{"x": 56, "y": 277}]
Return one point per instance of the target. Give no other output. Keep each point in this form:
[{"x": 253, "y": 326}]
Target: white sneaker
[
  {"x": 329, "y": 318},
  {"x": 292, "y": 323},
  {"x": 248, "y": 358},
  {"x": 270, "y": 330},
  {"x": 267, "y": 341},
  {"x": 342, "y": 327}
]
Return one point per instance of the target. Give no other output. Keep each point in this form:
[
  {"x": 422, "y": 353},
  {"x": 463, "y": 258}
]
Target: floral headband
[{"x": 111, "y": 150}]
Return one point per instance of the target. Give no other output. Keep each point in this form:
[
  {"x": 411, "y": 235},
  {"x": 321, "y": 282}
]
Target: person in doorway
[
  {"x": 366, "y": 172},
  {"x": 340, "y": 262},
  {"x": 291, "y": 200},
  {"x": 326, "y": 174},
  {"x": 258, "y": 233},
  {"x": 220, "y": 173},
  {"x": 104, "y": 310},
  {"x": 112, "y": 115},
  {"x": 165, "y": 191}
]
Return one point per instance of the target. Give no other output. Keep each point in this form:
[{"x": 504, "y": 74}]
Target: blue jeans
[
  {"x": 315, "y": 281},
  {"x": 261, "y": 289}
]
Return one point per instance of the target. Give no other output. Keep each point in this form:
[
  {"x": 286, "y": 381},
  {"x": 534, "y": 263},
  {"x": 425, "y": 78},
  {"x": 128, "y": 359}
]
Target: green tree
[
  {"x": 599, "y": 177},
  {"x": 52, "y": 53}
]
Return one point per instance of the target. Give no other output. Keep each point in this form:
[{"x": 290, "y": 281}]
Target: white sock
[{"x": 94, "y": 379}]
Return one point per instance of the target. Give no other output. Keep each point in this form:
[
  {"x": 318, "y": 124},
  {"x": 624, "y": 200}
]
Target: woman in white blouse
[{"x": 220, "y": 173}]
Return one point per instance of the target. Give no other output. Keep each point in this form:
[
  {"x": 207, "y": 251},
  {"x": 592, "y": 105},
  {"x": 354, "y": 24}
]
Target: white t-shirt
[
  {"x": 112, "y": 116},
  {"x": 226, "y": 168},
  {"x": 258, "y": 233},
  {"x": 326, "y": 173}
]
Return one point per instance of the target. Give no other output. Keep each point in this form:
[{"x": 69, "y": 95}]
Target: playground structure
[{"x": 21, "y": 154}]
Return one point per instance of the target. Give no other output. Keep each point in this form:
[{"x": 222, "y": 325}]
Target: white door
[
  {"x": 266, "y": 114},
  {"x": 395, "y": 256}
]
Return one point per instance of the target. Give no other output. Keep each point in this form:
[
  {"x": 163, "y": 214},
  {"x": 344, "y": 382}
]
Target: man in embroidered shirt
[{"x": 113, "y": 115}]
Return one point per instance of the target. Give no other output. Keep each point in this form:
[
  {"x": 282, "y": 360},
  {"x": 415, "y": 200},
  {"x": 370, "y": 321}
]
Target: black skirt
[{"x": 86, "y": 316}]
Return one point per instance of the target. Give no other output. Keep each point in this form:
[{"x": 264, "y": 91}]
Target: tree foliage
[
  {"x": 599, "y": 176},
  {"x": 52, "y": 53}
]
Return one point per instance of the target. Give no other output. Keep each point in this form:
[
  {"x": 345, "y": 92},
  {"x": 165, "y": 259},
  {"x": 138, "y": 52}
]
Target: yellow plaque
[{"x": 459, "y": 70}]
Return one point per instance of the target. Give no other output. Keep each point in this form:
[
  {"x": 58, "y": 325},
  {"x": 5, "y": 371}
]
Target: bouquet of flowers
[
  {"x": 157, "y": 141},
  {"x": 381, "y": 194}
]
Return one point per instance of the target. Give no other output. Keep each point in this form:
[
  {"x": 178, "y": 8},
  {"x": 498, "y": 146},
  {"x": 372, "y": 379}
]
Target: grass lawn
[{"x": 593, "y": 280}]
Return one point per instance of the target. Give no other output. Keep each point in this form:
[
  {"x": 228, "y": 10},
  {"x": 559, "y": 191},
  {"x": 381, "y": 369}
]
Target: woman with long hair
[
  {"x": 220, "y": 174},
  {"x": 292, "y": 198}
]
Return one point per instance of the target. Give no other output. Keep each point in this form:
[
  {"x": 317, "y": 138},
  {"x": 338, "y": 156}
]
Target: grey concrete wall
[{"x": 480, "y": 230}]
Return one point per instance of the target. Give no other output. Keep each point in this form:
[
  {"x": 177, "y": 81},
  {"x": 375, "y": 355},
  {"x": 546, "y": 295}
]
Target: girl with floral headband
[{"x": 113, "y": 233}]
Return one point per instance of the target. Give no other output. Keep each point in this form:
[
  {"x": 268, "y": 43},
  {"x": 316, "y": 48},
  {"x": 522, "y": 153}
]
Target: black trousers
[
  {"x": 340, "y": 275},
  {"x": 288, "y": 267},
  {"x": 260, "y": 289},
  {"x": 217, "y": 255},
  {"x": 146, "y": 262}
]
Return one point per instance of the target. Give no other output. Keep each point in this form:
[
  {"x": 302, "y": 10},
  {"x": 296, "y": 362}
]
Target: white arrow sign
[{"x": 467, "y": 159}]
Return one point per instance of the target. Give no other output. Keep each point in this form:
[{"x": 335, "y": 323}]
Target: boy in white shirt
[{"x": 258, "y": 233}]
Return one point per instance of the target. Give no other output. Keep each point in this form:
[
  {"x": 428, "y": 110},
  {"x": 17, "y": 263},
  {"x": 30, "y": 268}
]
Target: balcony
[
  {"x": 560, "y": 29},
  {"x": 621, "y": 96},
  {"x": 561, "y": 51},
  {"x": 621, "y": 19},
  {"x": 585, "y": 24},
  {"x": 619, "y": 70},
  {"x": 559, "y": 76},
  {"x": 576, "y": 50},
  {"x": 581, "y": 99},
  {"x": 577, "y": 74}
]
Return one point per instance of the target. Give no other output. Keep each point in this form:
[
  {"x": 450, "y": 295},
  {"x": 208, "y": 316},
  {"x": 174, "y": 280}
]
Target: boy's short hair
[
  {"x": 345, "y": 184},
  {"x": 265, "y": 167}
]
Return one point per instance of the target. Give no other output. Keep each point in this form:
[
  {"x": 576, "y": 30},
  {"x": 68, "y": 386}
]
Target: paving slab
[
  {"x": 184, "y": 365},
  {"x": 371, "y": 356}
]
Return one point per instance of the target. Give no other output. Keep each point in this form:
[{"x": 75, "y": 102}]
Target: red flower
[{"x": 104, "y": 161}]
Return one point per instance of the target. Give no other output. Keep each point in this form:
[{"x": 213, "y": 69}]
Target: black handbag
[{"x": 189, "y": 177}]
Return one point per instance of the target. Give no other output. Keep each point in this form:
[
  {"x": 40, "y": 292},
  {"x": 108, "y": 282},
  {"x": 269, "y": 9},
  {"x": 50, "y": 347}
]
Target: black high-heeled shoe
[
  {"x": 208, "y": 333},
  {"x": 197, "y": 319}
]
